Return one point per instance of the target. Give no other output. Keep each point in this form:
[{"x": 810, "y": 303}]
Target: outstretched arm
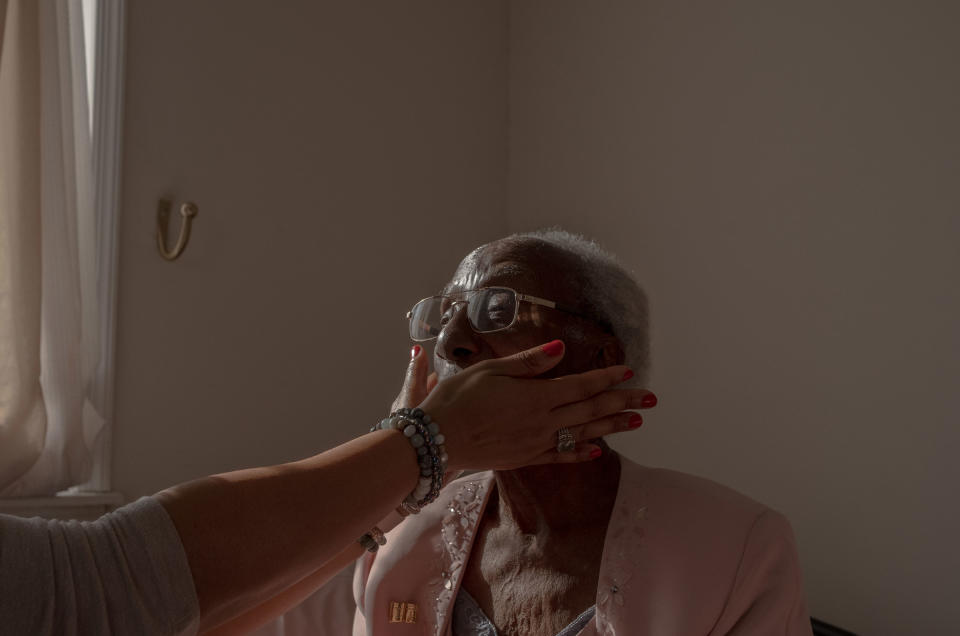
[{"x": 251, "y": 534}]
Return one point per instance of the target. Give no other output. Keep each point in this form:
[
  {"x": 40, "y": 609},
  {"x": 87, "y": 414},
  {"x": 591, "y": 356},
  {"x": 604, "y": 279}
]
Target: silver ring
[{"x": 566, "y": 442}]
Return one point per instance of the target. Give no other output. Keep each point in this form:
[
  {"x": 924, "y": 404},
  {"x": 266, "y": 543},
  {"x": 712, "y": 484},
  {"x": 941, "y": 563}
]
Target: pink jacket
[{"x": 682, "y": 556}]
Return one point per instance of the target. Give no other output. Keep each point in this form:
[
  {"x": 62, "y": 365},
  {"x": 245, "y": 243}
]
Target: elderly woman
[{"x": 604, "y": 547}]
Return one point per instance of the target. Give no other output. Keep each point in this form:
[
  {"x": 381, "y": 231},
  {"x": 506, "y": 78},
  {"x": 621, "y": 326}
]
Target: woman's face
[{"x": 529, "y": 268}]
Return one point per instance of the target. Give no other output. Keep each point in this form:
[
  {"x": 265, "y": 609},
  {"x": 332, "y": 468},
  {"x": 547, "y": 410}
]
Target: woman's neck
[{"x": 556, "y": 498}]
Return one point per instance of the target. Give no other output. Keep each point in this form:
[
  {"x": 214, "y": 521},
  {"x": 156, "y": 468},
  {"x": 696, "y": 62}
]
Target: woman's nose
[{"x": 458, "y": 342}]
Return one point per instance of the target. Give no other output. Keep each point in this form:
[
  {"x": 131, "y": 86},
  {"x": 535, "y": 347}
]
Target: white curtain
[{"x": 49, "y": 310}]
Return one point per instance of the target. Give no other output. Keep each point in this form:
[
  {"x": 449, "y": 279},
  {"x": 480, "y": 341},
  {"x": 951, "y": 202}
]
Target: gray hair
[{"x": 614, "y": 295}]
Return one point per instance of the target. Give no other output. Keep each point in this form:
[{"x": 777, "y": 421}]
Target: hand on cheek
[{"x": 418, "y": 382}]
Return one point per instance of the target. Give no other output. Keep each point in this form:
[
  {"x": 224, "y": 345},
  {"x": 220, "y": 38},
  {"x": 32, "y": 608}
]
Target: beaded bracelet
[
  {"x": 425, "y": 437},
  {"x": 373, "y": 539}
]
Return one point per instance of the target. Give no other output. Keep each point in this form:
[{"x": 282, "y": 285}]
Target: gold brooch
[{"x": 403, "y": 612}]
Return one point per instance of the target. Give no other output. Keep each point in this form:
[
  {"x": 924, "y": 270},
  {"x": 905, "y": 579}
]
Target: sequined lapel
[
  {"x": 457, "y": 533},
  {"x": 621, "y": 552}
]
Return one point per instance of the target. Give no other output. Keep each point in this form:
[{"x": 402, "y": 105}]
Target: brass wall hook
[{"x": 188, "y": 210}]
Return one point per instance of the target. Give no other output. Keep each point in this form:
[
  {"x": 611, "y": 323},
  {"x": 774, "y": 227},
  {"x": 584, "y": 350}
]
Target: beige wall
[
  {"x": 785, "y": 182},
  {"x": 337, "y": 152}
]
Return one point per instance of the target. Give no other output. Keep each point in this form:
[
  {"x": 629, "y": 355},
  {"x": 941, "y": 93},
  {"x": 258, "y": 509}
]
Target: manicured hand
[{"x": 497, "y": 414}]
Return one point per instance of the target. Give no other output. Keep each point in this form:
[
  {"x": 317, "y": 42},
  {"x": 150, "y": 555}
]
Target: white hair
[{"x": 611, "y": 291}]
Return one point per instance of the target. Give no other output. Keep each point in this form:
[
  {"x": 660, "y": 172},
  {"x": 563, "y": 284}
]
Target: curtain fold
[{"x": 48, "y": 306}]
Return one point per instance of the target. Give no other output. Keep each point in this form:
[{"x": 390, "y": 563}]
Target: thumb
[
  {"x": 415, "y": 382},
  {"x": 530, "y": 362}
]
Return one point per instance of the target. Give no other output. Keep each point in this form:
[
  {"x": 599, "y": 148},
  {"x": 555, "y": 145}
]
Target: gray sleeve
[{"x": 125, "y": 573}]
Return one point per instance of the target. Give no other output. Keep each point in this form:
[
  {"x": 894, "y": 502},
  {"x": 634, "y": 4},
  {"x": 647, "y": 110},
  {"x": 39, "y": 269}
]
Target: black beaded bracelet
[{"x": 373, "y": 539}]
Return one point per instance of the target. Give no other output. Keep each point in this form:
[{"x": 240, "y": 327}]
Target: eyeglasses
[{"x": 489, "y": 309}]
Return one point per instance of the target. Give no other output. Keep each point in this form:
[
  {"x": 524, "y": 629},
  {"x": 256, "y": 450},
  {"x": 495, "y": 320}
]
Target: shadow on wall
[{"x": 826, "y": 629}]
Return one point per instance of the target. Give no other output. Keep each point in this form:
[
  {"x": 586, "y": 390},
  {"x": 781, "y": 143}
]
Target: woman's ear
[{"x": 610, "y": 352}]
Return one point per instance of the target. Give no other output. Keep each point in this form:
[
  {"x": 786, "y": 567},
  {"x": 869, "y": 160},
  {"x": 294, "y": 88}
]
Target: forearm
[
  {"x": 290, "y": 597},
  {"x": 271, "y": 608},
  {"x": 285, "y": 522}
]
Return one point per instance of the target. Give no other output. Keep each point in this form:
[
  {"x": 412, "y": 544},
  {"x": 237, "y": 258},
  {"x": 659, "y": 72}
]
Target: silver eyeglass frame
[{"x": 533, "y": 300}]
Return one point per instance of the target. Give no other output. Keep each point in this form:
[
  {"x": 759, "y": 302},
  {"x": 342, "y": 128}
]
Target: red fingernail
[
  {"x": 627, "y": 375},
  {"x": 415, "y": 351},
  {"x": 596, "y": 452},
  {"x": 553, "y": 349},
  {"x": 635, "y": 421},
  {"x": 648, "y": 400}
]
